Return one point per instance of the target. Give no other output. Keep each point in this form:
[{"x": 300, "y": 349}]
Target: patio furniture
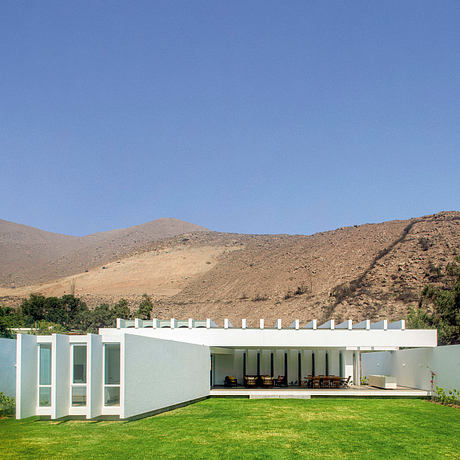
[
  {"x": 382, "y": 381},
  {"x": 250, "y": 381},
  {"x": 325, "y": 382},
  {"x": 316, "y": 382},
  {"x": 266, "y": 381},
  {"x": 345, "y": 382},
  {"x": 281, "y": 381},
  {"x": 230, "y": 381},
  {"x": 336, "y": 382}
]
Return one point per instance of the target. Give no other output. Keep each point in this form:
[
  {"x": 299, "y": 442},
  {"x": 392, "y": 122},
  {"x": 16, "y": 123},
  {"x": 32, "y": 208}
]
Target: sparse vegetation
[
  {"x": 424, "y": 243},
  {"x": 439, "y": 308},
  {"x": 451, "y": 397},
  {"x": 435, "y": 270},
  {"x": 300, "y": 290},
  {"x": 259, "y": 298},
  {"x": 7, "y": 404}
]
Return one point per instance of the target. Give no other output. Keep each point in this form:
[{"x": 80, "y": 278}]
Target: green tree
[
  {"x": 145, "y": 307},
  {"x": 440, "y": 308},
  {"x": 121, "y": 310}
]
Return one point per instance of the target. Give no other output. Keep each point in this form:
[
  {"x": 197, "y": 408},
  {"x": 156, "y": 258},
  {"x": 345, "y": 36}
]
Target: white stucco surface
[
  {"x": 94, "y": 376},
  {"x": 60, "y": 376},
  {"x": 412, "y": 367},
  {"x": 161, "y": 373},
  {"x": 7, "y": 366},
  {"x": 290, "y": 338},
  {"x": 26, "y": 376}
]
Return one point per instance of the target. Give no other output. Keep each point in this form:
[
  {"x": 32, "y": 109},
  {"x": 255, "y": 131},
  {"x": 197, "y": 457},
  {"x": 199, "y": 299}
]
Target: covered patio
[{"x": 316, "y": 368}]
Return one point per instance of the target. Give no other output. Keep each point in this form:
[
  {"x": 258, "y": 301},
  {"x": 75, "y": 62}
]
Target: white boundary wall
[
  {"x": 412, "y": 367},
  {"x": 160, "y": 373},
  {"x": 8, "y": 366}
]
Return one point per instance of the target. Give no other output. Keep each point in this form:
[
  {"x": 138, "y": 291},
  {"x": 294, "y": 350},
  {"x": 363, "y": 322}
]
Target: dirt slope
[
  {"x": 29, "y": 255},
  {"x": 369, "y": 271}
]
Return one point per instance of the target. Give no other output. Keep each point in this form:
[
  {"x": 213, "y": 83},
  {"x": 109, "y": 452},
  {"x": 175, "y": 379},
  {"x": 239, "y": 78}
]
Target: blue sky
[{"x": 241, "y": 116}]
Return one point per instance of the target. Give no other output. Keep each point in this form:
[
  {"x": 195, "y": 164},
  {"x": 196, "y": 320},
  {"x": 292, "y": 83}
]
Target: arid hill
[
  {"x": 368, "y": 271},
  {"x": 29, "y": 255}
]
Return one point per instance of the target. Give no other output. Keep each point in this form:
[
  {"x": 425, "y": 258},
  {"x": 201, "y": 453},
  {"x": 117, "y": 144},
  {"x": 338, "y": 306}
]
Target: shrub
[
  {"x": 452, "y": 397},
  {"x": 259, "y": 298},
  {"x": 424, "y": 243},
  {"x": 7, "y": 404}
]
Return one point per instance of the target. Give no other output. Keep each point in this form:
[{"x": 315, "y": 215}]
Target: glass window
[
  {"x": 44, "y": 396},
  {"x": 79, "y": 364},
  {"x": 112, "y": 396},
  {"x": 45, "y": 364},
  {"x": 79, "y": 396},
  {"x": 112, "y": 364}
]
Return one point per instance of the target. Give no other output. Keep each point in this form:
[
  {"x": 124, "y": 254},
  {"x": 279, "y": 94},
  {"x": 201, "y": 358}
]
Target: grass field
[{"x": 239, "y": 428}]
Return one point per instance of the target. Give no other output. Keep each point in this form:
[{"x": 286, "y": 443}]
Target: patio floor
[{"x": 362, "y": 391}]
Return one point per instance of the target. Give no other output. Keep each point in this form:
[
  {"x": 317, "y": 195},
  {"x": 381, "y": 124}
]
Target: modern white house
[{"x": 142, "y": 367}]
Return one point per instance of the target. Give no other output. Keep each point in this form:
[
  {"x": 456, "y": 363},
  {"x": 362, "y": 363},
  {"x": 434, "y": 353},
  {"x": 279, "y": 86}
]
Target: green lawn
[{"x": 240, "y": 428}]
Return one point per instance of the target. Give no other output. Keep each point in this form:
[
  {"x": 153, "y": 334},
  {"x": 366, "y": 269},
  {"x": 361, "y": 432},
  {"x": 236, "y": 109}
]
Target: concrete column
[
  {"x": 347, "y": 357},
  {"x": 94, "y": 385},
  {"x": 26, "y": 375},
  {"x": 60, "y": 376}
]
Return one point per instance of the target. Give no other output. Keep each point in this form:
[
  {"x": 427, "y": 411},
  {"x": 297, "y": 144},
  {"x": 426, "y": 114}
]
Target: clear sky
[{"x": 241, "y": 116}]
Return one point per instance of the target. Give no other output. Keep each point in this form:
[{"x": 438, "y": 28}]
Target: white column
[
  {"x": 26, "y": 375},
  {"x": 94, "y": 386},
  {"x": 60, "y": 375},
  {"x": 347, "y": 357}
]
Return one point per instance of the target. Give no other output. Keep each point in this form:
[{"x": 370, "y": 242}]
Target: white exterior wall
[
  {"x": 8, "y": 366},
  {"x": 377, "y": 339},
  {"x": 26, "y": 376},
  {"x": 334, "y": 362},
  {"x": 293, "y": 366},
  {"x": 60, "y": 376},
  {"x": 160, "y": 373},
  {"x": 238, "y": 365},
  {"x": 94, "y": 385},
  {"x": 265, "y": 367},
  {"x": 412, "y": 367},
  {"x": 348, "y": 370},
  {"x": 223, "y": 366}
]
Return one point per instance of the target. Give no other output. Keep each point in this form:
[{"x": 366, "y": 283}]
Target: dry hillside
[
  {"x": 368, "y": 271},
  {"x": 29, "y": 255}
]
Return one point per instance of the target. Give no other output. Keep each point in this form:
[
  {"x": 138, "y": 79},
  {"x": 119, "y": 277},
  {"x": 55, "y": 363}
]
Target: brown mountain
[
  {"x": 29, "y": 255},
  {"x": 367, "y": 271}
]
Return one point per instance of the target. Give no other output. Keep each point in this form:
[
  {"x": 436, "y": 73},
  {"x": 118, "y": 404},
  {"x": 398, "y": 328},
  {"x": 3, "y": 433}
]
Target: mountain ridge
[{"x": 373, "y": 271}]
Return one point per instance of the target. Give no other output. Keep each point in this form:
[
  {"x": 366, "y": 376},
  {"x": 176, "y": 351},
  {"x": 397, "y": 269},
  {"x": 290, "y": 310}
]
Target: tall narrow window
[
  {"x": 112, "y": 374},
  {"x": 299, "y": 368},
  {"x": 44, "y": 375},
  {"x": 272, "y": 370},
  {"x": 313, "y": 363},
  {"x": 327, "y": 363},
  {"x": 286, "y": 380},
  {"x": 78, "y": 375}
]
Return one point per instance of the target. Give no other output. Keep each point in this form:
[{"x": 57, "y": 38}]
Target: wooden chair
[
  {"x": 266, "y": 381},
  {"x": 230, "y": 381},
  {"x": 281, "y": 381},
  {"x": 344, "y": 383},
  {"x": 336, "y": 382},
  {"x": 250, "y": 381},
  {"x": 326, "y": 382},
  {"x": 316, "y": 382}
]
